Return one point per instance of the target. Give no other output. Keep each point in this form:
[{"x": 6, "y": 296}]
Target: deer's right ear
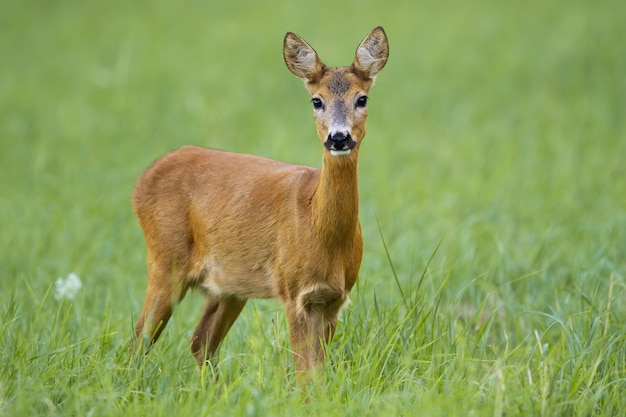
[{"x": 301, "y": 58}]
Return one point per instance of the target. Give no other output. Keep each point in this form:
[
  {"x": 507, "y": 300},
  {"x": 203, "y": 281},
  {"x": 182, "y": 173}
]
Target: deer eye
[
  {"x": 361, "y": 101},
  {"x": 317, "y": 103}
]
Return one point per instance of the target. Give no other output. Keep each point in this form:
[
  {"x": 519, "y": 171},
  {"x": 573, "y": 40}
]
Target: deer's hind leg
[
  {"x": 218, "y": 317},
  {"x": 165, "y": 289}
]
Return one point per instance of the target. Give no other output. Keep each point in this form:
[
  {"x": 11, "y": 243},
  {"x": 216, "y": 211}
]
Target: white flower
[{"x": 67, "y": 288}]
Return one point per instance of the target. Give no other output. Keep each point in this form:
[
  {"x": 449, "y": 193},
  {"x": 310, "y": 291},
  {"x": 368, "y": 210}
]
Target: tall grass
[{"x": 492, "y": 201}]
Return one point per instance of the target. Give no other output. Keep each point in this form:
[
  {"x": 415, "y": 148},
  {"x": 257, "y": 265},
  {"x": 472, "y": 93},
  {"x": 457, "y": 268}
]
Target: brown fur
[{"x": 241, "y": 226}]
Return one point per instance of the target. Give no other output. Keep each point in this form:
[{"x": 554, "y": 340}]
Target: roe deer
[{"x": 241, "y": 226}]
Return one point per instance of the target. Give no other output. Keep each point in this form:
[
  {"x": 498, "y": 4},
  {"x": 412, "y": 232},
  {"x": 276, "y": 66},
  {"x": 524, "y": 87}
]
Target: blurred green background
[
  {"x": 496, "y": 142},
  {"x": 496, "y": 128}
]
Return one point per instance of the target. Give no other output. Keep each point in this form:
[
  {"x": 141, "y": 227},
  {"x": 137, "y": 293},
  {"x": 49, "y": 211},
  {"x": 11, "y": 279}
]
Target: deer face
[
  {"x": 340, "y": 108},
  {"x": 339, "y": 95}
]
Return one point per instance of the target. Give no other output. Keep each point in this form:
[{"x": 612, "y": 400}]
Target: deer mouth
[
  {"x": 342, "y": 152},
  {"x": 339, "y": 144}
]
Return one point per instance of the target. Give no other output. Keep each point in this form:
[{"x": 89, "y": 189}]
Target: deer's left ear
[{"x": 371, "y": 55}]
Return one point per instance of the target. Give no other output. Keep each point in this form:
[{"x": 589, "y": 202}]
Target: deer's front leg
[{"x": 312, "y": 322}]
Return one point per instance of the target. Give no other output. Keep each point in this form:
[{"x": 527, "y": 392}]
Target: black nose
[
  {"x": 339, "y": 141},
  {"x": 338, "y": 136}
]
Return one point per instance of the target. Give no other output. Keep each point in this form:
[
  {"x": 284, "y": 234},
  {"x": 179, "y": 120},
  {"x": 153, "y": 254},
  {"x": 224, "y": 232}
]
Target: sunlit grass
[{"x": 492, "y": 201}]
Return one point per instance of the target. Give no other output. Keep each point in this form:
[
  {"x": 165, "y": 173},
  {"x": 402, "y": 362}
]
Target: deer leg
[
  {"x": 217, "y": 318},
  {"x": 312, "y": 323},
  {"x": 158, "y": 306},
  {"x": 310, "y": 335},
  {"x": 298, "y": 336}
]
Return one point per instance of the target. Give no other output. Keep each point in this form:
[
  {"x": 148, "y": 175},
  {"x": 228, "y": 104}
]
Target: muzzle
[{"x": 339, "y": 142}]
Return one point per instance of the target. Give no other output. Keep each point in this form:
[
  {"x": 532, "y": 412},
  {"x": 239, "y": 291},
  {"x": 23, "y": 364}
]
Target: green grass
[{"x": 493, "y": 204}]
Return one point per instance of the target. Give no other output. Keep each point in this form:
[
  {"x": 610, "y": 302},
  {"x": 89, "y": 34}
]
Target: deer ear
[
  {"x": 301, "y": 58},
  {"x": 371, "y": 55}
]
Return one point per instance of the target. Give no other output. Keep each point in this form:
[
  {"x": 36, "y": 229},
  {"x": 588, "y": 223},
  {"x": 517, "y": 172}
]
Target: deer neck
[{"x": 336, "y": 199}]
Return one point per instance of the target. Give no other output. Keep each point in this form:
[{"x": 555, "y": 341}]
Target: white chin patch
[{"x": 340, "y": 153}]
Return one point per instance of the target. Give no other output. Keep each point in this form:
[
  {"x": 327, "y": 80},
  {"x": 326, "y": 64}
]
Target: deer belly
[{"x": 244, "y": 280}]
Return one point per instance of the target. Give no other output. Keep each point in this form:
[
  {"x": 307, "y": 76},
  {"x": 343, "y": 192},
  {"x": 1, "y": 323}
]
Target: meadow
[{"x": 493, "y": 205}]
